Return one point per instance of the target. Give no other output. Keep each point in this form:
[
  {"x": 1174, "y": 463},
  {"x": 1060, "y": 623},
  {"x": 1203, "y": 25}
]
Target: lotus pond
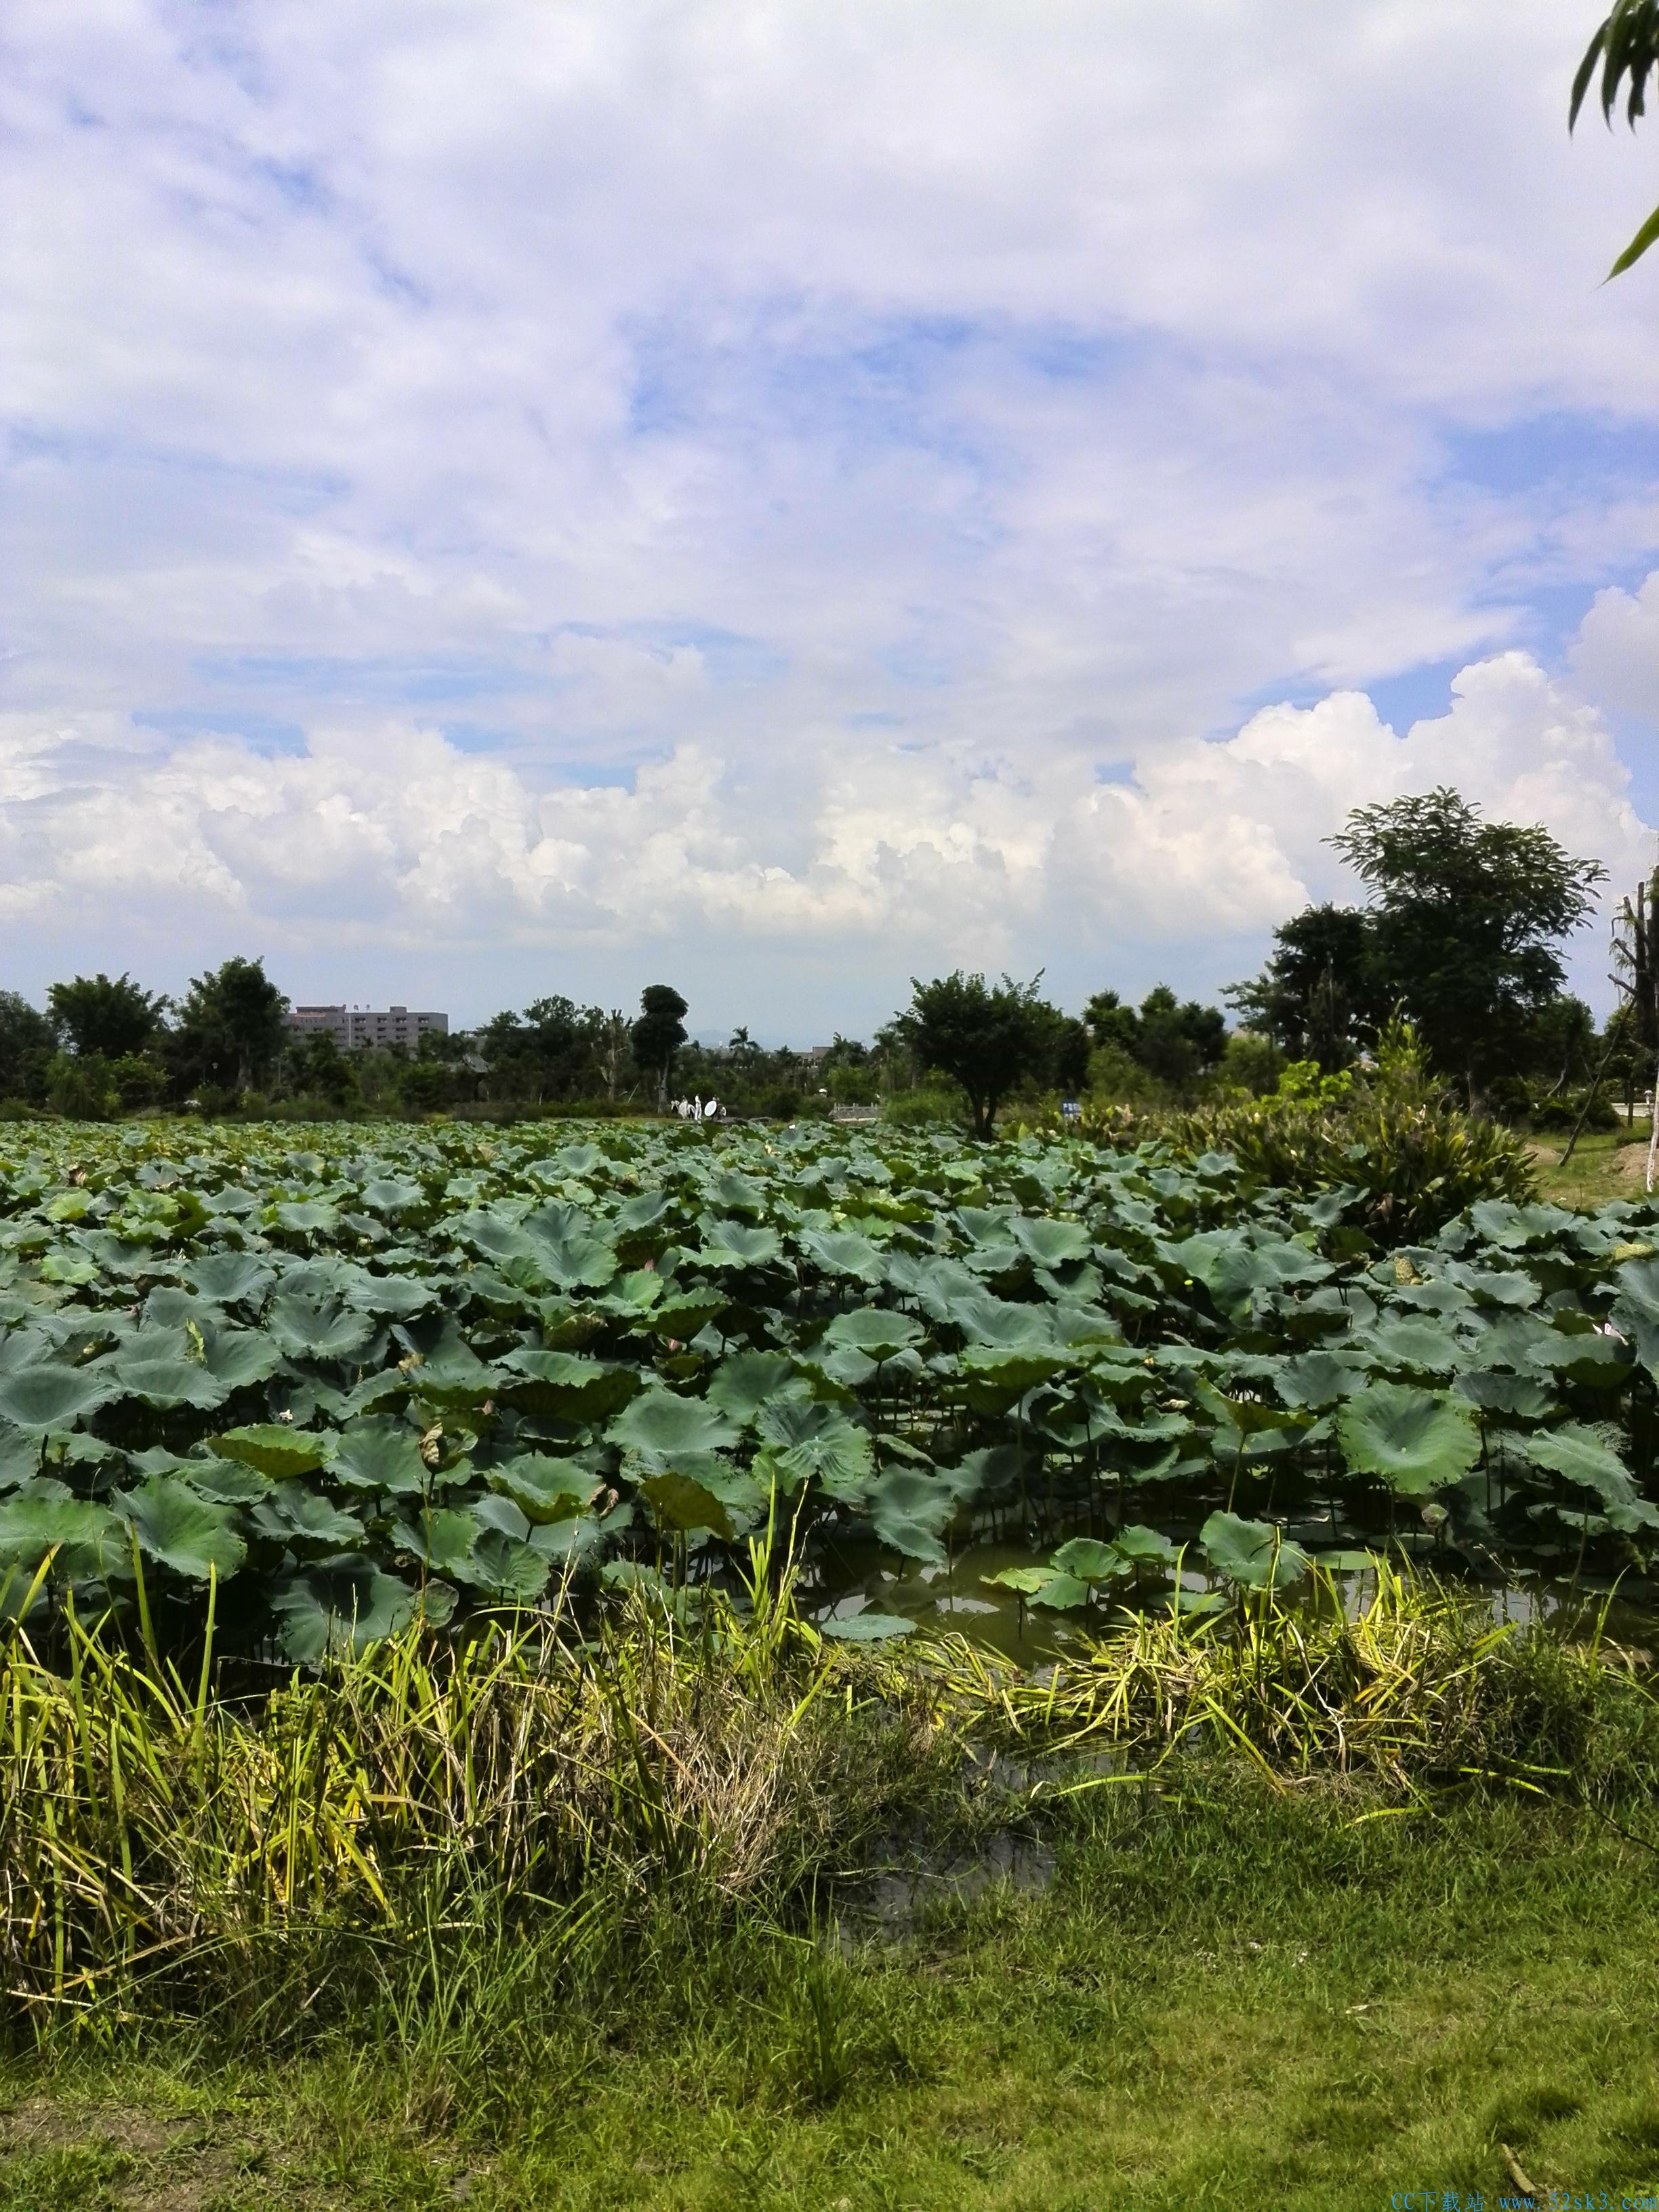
[{"x": 447, "y": 1368}]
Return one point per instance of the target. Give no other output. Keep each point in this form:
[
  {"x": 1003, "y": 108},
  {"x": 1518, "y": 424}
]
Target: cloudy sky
[{"x": 510, "y": 495}]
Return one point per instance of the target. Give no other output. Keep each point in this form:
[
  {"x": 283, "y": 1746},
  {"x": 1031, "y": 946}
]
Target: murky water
[{"x": 853, "y": 1578}]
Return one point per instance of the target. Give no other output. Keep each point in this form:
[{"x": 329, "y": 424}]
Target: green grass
[
  {"x": 1601, "y": 1168},
  {"x": 1245, "y": 2001}
]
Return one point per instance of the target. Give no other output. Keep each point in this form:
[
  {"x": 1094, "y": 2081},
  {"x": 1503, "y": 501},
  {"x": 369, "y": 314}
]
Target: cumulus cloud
[
  {"x": 493, "y": 481},
  {"x": 395, "y": 836}
]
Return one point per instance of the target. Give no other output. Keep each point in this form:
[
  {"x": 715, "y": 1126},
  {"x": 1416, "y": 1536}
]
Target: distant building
[{"x": 358, "y": 1028}]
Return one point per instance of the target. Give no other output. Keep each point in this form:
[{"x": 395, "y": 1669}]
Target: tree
[
  {"x": 25, "y": 1044},
  {"x": 1467, "y": 916},
  {"x": 1626, "y": 44},
  {"x": 1318, "y": 997},
  {"x": 658, "y": 1034},
  {"x": 94, "y": 1014},
  {"x": 232, "y": 1027},
  {"x": 547, "y": 1051},
  {"x": 1174, "y": 1043},
  {"x": 988, "y": 1040}
]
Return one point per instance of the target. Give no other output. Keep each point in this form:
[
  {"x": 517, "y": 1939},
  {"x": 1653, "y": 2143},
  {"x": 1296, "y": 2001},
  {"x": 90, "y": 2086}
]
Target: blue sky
[{"x": 502, "y": 499}]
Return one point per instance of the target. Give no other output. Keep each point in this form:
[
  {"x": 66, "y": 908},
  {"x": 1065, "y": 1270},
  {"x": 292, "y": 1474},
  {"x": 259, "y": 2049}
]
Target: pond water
[{"x": 842, "y": 1582}]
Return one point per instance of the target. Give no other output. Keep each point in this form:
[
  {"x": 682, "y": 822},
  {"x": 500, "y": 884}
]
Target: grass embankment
[
  {"x": 1608, "y": 1166},
  {"x": 547, "y": 1925}
]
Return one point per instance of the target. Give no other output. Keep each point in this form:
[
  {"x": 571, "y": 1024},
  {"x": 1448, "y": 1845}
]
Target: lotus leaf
[
  {"x": 660, "y": 1424},
  {"x": 865, "y": 1627},
  {"x": 1418, "y": 1440},
  {"x": 178, "y": 1526},
  {"x": 1253, "y": 1553},
  {"x": 273, "y": 1448}
]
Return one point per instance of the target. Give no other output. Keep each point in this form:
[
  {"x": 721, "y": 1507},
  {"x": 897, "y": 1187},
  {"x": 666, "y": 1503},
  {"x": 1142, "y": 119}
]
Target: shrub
[{"x": 931, "y": 1107}]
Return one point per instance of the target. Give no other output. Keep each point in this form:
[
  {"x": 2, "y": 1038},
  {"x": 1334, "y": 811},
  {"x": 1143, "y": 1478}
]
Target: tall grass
[{"x": 452, "y": 1837}]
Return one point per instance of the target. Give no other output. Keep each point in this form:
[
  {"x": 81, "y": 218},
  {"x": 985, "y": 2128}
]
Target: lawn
[{"x": 1231, "y": 1998}]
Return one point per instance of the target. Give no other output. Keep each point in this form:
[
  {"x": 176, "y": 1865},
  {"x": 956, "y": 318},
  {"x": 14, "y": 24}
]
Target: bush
[
  {"x": 1561, "y": 1109},
  {"x": 80, "y": 1087},
  {"x": 931, "y": 1107}
]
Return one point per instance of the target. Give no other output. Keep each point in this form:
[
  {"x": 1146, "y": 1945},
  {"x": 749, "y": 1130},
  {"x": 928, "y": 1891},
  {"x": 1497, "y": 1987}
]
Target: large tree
[
  {"x": 26, "y": 1043},
  {"x": 658, "y": 1034},
  {"x": 988, "y": 1040},
  {"x": 1176, "y": 1041},
  {"x": 231, "y": 1026},
  {"x": 1318, "y": 997},
  {"x": 96, "y": 1013},
  {"x": 547, "y": 1052},
  {"x": 1467, "y": 919}
]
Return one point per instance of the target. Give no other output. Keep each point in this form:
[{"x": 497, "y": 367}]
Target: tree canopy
[
  {"x": 96, "y": 1013},
  {"x": 231, "y": 1027},
  {"x": 1321, "y": 996},
  {"x": 659, "y": 1033},
  {"x": 1466, "y": 920},
  {"x": 988, "y": 1040}
]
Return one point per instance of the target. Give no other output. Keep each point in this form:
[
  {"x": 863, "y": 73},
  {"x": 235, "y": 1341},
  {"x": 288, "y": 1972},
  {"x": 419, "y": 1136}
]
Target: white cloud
[
  {"x": 393, "y": 836},
  {"x": 485, "y": 478}
]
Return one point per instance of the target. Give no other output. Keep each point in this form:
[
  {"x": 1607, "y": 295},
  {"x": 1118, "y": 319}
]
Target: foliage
[
  {"x": 986, "y": 1038},
  {"x": 449, "y": 1367},
  {"x": 659, "y": 1033},
  {"x": 1467, "y": 920},
  {"x": 94, "y": 1014},
  {"x": 25, "y": 1046},
  {"x": 1626, "y": 45},
  {"x": 1175, "y": 1044},
  {"x": 230, "y": 1029},
  {"x": 1320, "y": 997}
]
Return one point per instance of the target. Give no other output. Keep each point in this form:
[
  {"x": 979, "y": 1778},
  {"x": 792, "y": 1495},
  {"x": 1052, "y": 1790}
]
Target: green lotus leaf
[
  {"x": 679, "y": 1502},
  {"x": 744, "y": 1382},
  {"x": 45, "y": 1516},
  {"x": 392, "y": 1195},
  {"x": 373, "y": 1453},
  {"x": 543, "y": 1488},
  {"x": 810, "y": 1442},
  {"x": 178, "y": 1526},
  {"x": 233, "y": 1279},
  {"x": 1318, "y": 1379},
  {"x": 1025, "y": 1581},
  {"x": 238, "y": 1357},
  {"x": 1418, "y": 1440},
  {"x": 1061, "y": 1593},
  {"x": 1086, "y": 1559},
  {"x": 735, "y": 1244},
  {"x": 1581, "y": 1456},
  {"x": 274, "y": 1448},
  {"x": 1425, "y": 1346},
  {"x": 163, "y": 1379},
  {"x": 660, "y": 1424},
  {"x": 908, "y": 1511},
  {"x": 567, "y": 1384},
  {"x": 1051, "y": 1243},
  {"x": 866, "y": 1627},
  {"x": 1141, "y": 1546},
  {"x": 1252, "y": 1554},
  {"x": 389, "y": 1298},
  {"x": 506, "y": 1567},
  {"x": 52, "y": 1394},
  {"x": 442, "y": 1540},
  {"x": 224, "y": 1481},
  {"x": 341, "y": 1606},
  {"x": 567, "y": 1247},
  {"x": 291, "y": 1514},
  {"x": 840, "y": 1252},
  {"x": 305, "y": 1217},
  {"x": 876, "y": 1334},
  {"x": 302, "y": 1328},
  {"x": 636, "y": 1214}
]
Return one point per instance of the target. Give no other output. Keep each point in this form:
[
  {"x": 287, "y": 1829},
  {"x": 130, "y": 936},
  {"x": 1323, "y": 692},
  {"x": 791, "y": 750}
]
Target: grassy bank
[
  {"x": 1299, "y": 1909},
  {"x": 1603, "y": 1168},
  {"x": 1227, "y": 1996}
]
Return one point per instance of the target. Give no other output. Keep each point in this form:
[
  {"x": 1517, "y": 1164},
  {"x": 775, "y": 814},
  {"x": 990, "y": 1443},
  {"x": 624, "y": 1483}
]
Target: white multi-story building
[{"x": 355, "y": 1028}]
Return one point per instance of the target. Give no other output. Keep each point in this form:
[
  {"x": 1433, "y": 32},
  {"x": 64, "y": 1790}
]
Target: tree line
[{"x": 1462, "y": 933}]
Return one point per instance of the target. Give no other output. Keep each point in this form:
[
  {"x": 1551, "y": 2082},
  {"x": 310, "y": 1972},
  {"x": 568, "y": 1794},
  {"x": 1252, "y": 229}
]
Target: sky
[{"x": 507, "y": 497}]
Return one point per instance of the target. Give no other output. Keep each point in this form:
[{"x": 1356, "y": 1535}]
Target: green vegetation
[
  {"x": 689, "y": 1920},
  {"x": 447, "y": 1369}
]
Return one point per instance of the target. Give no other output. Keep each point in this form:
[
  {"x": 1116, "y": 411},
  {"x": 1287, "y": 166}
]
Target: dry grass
[{"x": 1419, "y": 1688}]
